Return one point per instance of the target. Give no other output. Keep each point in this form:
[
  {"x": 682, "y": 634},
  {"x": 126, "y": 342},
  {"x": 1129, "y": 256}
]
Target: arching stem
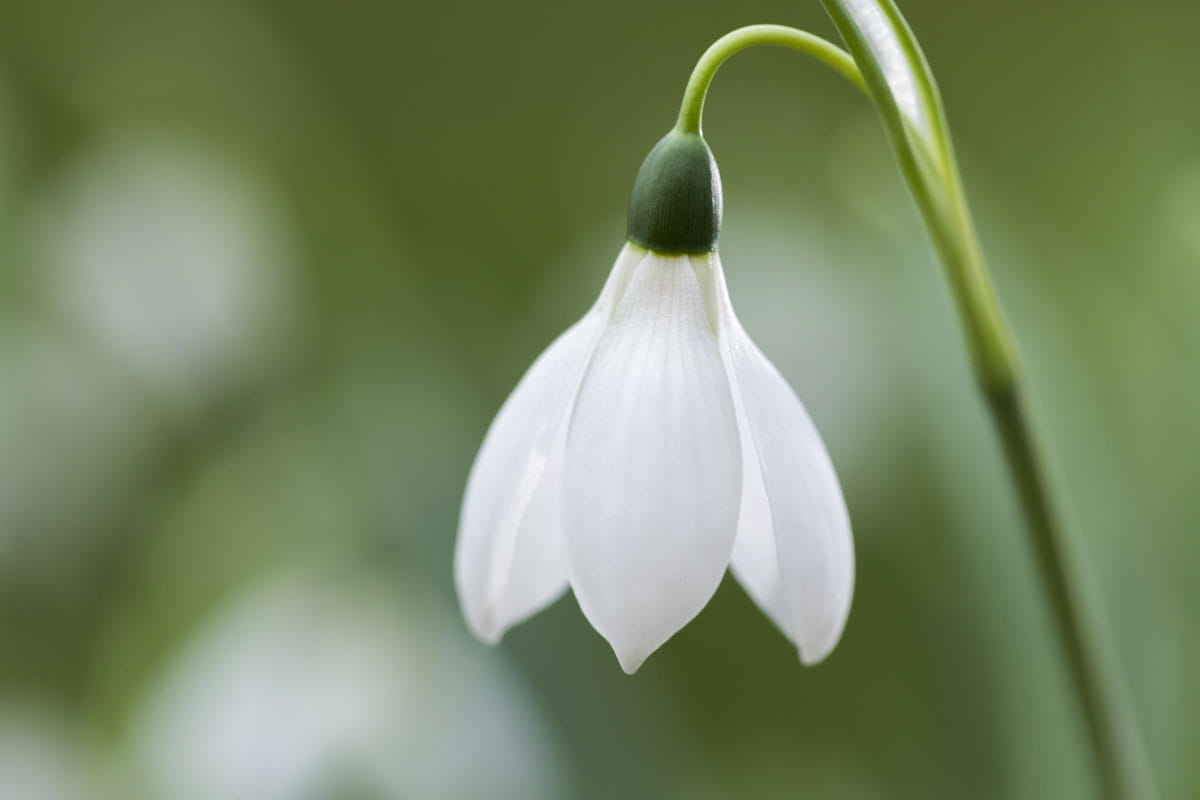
[
  {"x": 826, "y": 52},
  {"x": 888, "y": 66}
]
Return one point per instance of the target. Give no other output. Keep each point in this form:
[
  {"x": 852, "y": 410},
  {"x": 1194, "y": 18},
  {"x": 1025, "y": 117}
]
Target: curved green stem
[
  {"x": 735, "y": 41},
  {"x": 888, "y": 65}
]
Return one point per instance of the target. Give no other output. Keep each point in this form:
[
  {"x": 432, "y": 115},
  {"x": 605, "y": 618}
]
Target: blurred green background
[{"x": 267, "y": 270}]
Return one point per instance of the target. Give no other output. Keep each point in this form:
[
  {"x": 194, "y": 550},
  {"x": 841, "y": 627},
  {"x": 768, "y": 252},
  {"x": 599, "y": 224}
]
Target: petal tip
[
  {"x": 630, "y": 661},
  {"x": 485, "y": 628},
  {"x": 813, "y": 653},
  {"x": 813, "y": 657}
]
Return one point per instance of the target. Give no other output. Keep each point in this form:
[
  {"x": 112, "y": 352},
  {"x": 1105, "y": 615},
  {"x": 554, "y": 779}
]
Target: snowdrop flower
[{"x": 651, "y": 446}]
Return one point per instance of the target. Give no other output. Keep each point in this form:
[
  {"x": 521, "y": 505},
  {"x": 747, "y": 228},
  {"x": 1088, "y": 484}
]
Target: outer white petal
[
  {"x": 508, "y": 561},
  {"x": 652, "y": 478},
  {"x": 794, "y": 553}
]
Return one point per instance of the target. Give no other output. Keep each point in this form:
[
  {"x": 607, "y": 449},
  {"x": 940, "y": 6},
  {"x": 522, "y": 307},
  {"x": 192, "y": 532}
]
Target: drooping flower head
[{"x": 651, "y": 446}]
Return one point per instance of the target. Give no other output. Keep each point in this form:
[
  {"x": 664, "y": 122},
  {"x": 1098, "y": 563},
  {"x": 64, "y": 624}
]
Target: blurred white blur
[
  {"x": 321, "y": 685},
  {"x": 173, "y": 258}
]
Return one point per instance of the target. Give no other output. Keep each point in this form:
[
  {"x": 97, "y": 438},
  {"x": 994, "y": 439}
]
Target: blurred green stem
[{"x": 887, "y": 64}]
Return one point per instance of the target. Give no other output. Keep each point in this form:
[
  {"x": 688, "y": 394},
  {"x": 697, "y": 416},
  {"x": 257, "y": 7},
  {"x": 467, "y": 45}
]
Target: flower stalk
[
  {"x": 886, "y": 63},
  {"x": 735, "y": 41}
]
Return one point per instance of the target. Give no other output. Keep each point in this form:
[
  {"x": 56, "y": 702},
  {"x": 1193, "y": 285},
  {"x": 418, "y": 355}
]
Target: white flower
[{"x": 650, "y": 446}]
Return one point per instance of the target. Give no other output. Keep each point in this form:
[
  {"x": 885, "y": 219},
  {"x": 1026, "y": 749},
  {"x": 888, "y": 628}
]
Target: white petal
[
  {"x": 509, "y": 559},
  {"x": 652, "y": 478},
  {"x": 794, "y": 553}
]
